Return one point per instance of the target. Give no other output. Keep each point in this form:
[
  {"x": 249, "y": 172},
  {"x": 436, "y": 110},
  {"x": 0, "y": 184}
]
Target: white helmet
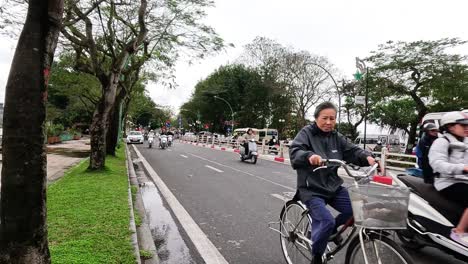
[{"x": 455, "y": 117}]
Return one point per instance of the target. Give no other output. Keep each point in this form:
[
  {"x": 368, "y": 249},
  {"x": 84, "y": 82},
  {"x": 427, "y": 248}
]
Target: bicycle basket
[{"x": 379, "y": 207}]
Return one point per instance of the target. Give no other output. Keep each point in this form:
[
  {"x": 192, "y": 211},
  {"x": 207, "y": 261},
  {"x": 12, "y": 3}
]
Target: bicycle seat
[{"x": 447, "y": 208}]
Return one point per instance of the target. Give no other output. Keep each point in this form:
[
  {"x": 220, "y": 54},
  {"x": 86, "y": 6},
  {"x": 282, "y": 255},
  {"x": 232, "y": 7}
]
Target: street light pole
[
  {"x": 232, "y": 112},
  {"x": 361, "y": 65}
]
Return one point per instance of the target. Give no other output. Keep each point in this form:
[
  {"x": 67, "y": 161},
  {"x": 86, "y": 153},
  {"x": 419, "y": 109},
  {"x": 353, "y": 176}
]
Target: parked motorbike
[
  {"x": 163, "y": 142},
  {"x": 252, "y": 155},
  {"x": 150, "y": 141},
  {"x": 431, "y": 217}
]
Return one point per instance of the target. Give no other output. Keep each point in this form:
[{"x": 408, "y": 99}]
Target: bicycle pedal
[{"x": 336, "y": 238}]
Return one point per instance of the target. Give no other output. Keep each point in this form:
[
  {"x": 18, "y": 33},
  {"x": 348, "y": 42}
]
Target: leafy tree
[
  {"x": 72, "y": 95},
  {"x": 421, "y": 71},
  {"x": 306, "y": 82},
  {"x": 348, "y": 130},
  {"x": 353, "y": 113},
  {"x": 295, "y": 79},
  {"x": 106, "y": 36},
  {"x": 241, "y": 87},
  {"x": 23, "y": 229},
  {"x": 143, "y": 111}
]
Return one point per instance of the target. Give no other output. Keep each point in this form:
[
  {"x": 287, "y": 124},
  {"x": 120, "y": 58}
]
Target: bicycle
[{"x": 373, "y": 236}]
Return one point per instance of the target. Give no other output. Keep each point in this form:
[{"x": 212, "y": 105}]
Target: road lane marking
[
  {"x": 205, "y": 247},
  {"x": 247, "y": 173},
  {"x": 169, "y": 150},
  {"x": 183, "y": 156},
  {"x": 281, "y": 197},
  {"x": 213, "y": 168}
]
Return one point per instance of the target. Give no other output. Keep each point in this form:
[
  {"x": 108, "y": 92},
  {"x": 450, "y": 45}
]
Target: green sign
[{"x": 358, "y": 75}]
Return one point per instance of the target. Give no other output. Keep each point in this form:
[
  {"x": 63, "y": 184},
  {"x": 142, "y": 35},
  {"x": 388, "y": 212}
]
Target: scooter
[
  {"x": 163, "y": 142},
  {"x": 150, "y": 141},
  {"x": 169, "y": 141},
  {"x": 431, "y": 217},
  {"x": 252, "y": 155}
]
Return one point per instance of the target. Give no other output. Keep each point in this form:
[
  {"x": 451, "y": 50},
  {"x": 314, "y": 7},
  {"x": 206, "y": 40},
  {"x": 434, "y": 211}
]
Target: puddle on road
[{"x": 170, "y": 246}]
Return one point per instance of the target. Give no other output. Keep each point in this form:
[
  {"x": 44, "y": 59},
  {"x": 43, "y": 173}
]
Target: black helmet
[{"x": 430, "y": 126}]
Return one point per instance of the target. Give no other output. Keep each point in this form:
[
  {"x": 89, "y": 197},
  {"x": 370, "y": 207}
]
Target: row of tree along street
[
  {"x": 271, "y": 85},
  {"x": 106, "y": 52}
]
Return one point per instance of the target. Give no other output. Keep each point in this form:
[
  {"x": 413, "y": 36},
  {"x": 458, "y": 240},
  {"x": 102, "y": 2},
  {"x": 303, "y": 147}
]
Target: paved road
[{"x": 232, "y": 202}]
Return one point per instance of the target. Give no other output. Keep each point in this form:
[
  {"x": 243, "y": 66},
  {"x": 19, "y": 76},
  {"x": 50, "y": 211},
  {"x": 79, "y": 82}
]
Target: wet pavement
[
  {"x": 168, "y": 240},
  {"x": 172, "y": 244}
]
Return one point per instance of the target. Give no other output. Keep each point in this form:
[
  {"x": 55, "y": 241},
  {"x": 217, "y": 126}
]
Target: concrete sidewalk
[{"x": 62, "y": 156}]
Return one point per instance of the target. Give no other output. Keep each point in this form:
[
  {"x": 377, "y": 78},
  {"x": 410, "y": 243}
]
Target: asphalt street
[{"x": 234, "y": 201}]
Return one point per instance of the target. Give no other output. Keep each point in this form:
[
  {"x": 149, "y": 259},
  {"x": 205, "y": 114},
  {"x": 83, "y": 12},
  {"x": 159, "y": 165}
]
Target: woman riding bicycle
[{"x": 317, "y": 189}]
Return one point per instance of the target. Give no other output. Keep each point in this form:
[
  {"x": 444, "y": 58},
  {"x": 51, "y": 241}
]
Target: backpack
[
  {"x": 419, "y": 155},
  {"x": 436, "y": 174}
]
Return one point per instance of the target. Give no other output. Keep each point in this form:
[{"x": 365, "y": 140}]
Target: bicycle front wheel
[
  {"x": 379, "y": 249},
  {"x": 295, "y": 229}
]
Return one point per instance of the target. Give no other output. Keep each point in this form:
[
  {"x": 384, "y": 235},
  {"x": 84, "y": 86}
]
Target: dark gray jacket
[{"x": 325, "y": 182}]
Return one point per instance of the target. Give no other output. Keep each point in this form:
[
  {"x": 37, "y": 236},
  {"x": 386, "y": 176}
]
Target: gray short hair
[{"x": 323, "y": 106}]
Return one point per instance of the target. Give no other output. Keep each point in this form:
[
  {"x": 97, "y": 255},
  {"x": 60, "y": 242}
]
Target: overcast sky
[{"x": 338, "y": 29}]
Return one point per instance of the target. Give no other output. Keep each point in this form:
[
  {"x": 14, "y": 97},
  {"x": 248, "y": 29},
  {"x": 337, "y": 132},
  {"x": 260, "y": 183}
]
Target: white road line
[
  {"x": 183, "y": 156},
  {"x": 205, "y": 247},
  {"x": 213, "y": 168},
  {"x": 281, "y": 197},
  {"x": 169, "y": 150},
  {"x": 250, "y": 174}
]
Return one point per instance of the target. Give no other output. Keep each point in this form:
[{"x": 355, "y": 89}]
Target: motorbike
[
  {"x": 273, "y": 147},
  {"x": 150, "y": 141},
  {"x": 163, "y": 142},
  {"x": 252, "y": 155},
  {"x": 169, "y": 141},
  {"x": 431, "y": 218}
]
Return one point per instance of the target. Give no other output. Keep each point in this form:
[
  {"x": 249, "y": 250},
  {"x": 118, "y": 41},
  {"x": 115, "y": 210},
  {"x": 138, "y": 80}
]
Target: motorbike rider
[
  {"x": 163, "y": 134},
  {"x": 448, "y": 156},
  {"x": 430, "y": 135},
  {"x": 248, "y": 136},
  {"x": 313, "y": 143}
]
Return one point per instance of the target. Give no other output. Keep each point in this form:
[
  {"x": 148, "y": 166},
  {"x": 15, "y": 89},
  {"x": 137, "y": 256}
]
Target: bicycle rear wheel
[
  {"x": 294, "y": 227},
  {"x": 379, "y": 249}
]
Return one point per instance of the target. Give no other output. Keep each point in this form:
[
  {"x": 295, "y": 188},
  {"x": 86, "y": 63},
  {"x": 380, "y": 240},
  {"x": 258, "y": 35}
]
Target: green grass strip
[{"x": 88, "y": 215}]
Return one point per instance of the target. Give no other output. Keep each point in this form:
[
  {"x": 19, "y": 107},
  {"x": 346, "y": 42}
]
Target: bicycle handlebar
[{"x": 345, "y": 167}]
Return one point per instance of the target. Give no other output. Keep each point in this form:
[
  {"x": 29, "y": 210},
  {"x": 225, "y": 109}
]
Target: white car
[{"x": 135, "y": 137}]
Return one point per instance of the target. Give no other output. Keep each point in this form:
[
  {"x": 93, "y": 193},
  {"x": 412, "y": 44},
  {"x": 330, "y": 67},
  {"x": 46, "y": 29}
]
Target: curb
[
  {"x": 278, "y": 159},
  {"x": 263, "y": 157},
  {"x": 142, "y": 234}
]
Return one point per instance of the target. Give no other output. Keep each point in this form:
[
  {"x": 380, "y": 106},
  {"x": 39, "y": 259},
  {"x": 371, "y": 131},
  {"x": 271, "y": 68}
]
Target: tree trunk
[
  {"x": 413, "y": 131},
  {"x": 100, "y": 123},
  {"x": 411, "y": 137},
  {"x": 114, "y": 122},
  {"x": 112, "y": 130},
  {"x": 23, "y": 229},
  {"x": 124, "y": 114}
]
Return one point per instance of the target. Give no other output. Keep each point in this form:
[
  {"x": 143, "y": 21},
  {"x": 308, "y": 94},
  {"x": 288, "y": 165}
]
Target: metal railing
[
  {"x": 397, "y": 161},
  {"x": 393, "y": 161}
]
